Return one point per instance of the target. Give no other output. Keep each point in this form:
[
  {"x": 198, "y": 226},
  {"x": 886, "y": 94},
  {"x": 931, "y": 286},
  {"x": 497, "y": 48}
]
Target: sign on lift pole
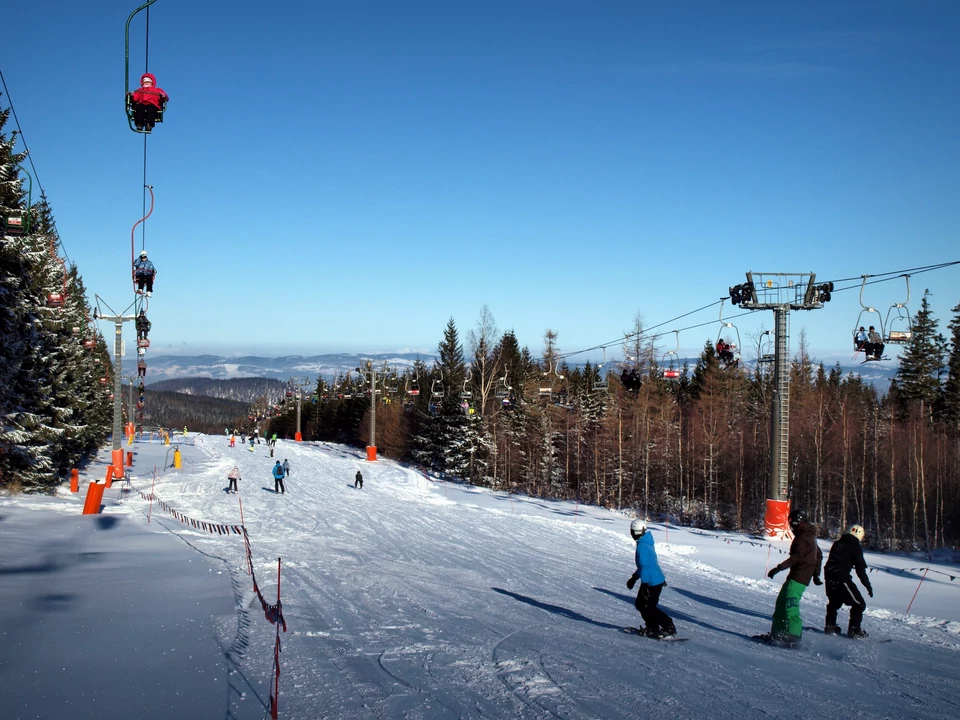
[{"x": 780, "y": 292}]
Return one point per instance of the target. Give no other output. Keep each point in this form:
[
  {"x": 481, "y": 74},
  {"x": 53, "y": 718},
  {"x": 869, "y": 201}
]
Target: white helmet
[
  {"x": 637, "y": 528},
  {"x": 143, "y": 253},
  {"x": 857, "y": 531}
]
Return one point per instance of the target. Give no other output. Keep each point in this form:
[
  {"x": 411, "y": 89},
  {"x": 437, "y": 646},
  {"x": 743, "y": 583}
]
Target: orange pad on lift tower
[
  {"x": 775, "y": 522},
  {"x": 117, "y": 462},
  {"x": 371, "y": 453}
]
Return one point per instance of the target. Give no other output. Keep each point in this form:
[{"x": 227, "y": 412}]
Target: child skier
[
  {"x": 147, "y": 103},
  {"x": 358, "y": 480},
  {"x": 846, "y": 555},
  {"x": 233, "y": 477},
  {"x": 805, "y": 562},
  {"x": 658, "y": 623}
]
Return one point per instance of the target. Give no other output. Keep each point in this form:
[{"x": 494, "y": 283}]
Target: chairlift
[
  {"x": 601, "y": 384},
  {"x": 546, "y": 385},
  {"x": 413, "y": 383},
  {"x": 869, "y": 312},
  {"x": 143, "y": 343},
  {"x": 17, "y": 223},
  {"x": 436, "y": 388},
  {"x": 502, "y": 390},
  {"x": 392, "y": 383},
  {"x": 727, "y": 352},
  {"x": 901, "y": 321},
  {"x": 765, "y": 352},
  {"x": 466, "y": 392},
  {"x": 670, "y": 362}
]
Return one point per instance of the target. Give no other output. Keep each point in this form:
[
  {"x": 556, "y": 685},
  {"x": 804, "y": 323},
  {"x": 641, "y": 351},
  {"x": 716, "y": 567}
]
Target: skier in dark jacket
[
  {"x": 144, "y": 272},
  {"x": 648, "y": 572},
  {"x": 358, "y": 480},
  {"x": 143, "y": 326},
  {"x": 846, "y": 555},
  {"x": 805, "y": 563},
  {"x": 278, "y": 478}
]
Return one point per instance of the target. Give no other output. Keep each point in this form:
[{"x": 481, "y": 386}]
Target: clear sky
[{"x": 348, "y": 176}]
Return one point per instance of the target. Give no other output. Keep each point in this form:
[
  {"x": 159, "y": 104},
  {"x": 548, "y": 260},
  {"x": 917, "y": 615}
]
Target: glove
[
  {"x": 631, "y": 582},
  {"x": 817, "y": 581},
  {"x": 870, "y": 590},
  {"x": 773, "y": 572}
]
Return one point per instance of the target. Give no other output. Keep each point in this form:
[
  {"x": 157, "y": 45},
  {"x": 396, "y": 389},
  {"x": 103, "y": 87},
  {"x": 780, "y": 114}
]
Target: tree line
[
  {"x": 55, "y": 372},
  {"x": 695, "y": 448}
]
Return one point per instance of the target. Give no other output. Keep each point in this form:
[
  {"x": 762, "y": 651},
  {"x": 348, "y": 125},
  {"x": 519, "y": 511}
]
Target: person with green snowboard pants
[{"x": 805, "y": 563}]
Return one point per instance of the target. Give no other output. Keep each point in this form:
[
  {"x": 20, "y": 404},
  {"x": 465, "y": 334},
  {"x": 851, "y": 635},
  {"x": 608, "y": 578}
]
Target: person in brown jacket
[{"x": 805, "y": 562}]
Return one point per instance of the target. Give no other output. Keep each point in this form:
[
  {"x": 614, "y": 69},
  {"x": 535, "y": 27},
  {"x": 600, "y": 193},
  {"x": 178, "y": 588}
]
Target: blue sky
[{"x": 348, "y": 176}]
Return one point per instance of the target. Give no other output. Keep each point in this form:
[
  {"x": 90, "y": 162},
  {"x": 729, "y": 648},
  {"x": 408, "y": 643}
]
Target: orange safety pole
[
  {"x": 91, "y": 505},
  {"x": 116, "y": 460},
  {"x": 74, "y": 480},
  {"x": 110, "y": 474},
  {"x": 129, "y": 458}
]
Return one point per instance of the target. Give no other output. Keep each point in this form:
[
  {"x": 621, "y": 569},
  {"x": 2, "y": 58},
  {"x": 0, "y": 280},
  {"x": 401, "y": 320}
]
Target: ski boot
[
  {"x": 857, "y": 634},
  {"x": 831, "y": 630}
]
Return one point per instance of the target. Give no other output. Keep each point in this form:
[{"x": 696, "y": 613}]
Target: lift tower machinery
[{"x": 780, "y": 292}]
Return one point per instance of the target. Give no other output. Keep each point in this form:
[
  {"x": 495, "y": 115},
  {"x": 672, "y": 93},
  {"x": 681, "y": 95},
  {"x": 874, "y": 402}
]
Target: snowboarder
[
  {"x": 804, "y": 562},
  {"x": 286, "y": 467},
  {"x": 143, "y": 273},
  {"x": 233, "y": 477},
  {"x": 358, "y": 480},
  {"x": 846, "y": 555},
  {"x": 278, "y": 478},
  {"x": 147, "y": 102},
  {"x": 658, "y": 623}
]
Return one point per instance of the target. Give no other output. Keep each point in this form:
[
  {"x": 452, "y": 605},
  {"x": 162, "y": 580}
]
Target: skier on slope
[
  {"x": 804, "y": 562},
  {"x": 233, "y": 477},
  {"x": 658, "y": 623},
  {"x": 358, "y": 480},
  {"x": 278, "y": 479},
  {"x": 846, "y": 555}
]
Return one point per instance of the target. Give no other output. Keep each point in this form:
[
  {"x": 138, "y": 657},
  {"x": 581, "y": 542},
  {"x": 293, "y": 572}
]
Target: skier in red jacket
[{"x": 147, "y": 102}]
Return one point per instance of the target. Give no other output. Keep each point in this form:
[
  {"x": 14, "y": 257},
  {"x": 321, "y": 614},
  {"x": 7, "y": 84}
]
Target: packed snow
[{"x": 417, "y": 598}]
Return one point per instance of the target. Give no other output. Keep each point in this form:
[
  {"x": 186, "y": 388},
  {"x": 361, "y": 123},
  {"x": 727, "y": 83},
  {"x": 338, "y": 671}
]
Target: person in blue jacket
[
  {"x": 278, "y": 478},
  {"x": 648, "y": 572},
  {"x": 143, "y": 273}
]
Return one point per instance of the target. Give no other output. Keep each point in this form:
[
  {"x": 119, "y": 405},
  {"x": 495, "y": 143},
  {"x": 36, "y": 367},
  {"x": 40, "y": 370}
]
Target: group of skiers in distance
[{"x": 804, "y": 562}]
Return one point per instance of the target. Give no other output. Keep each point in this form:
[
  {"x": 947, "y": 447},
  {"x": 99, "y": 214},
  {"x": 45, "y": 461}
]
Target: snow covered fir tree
[{"x": 54, "y": 368}]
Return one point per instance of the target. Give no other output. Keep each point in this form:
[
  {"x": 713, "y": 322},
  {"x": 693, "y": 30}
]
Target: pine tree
[
  {"x": 951, "y": 387},
  {"x": 918, "y": 378}
]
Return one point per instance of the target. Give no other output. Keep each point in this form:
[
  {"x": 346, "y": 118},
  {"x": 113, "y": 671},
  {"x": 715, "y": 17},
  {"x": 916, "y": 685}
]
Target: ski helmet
[
  {"x": 143, "y": 253},
  {"x": 857, "y": 531},
  {"x": 637, "y": 528},
  {"x": 797, "y": 517}
]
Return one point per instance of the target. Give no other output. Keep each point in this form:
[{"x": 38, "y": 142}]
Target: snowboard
[
  {"x": 768, "y": 639},
  {"x": 668, "y": 638},
  {"x": 869, "y": 638}
]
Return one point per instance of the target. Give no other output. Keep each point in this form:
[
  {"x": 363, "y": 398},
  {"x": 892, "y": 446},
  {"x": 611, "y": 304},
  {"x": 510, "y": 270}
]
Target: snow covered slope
[{"x": 417, "y": 599}]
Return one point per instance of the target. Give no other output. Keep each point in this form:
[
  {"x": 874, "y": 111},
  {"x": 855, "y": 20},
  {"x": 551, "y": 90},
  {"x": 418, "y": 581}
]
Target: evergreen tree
[
  {"x": 921, "y": 361},
  {"x": 951, "y": 387}
]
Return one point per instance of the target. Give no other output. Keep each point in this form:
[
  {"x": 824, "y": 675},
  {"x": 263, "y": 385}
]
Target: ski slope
[{"x": 414, "y": 598}]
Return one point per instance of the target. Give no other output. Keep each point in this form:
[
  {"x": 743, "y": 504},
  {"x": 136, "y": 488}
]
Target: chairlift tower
[
  {"x": 299, "y": 383},
  {"x": 780, "y": 292},
  {"x": 367, "y": 370},
  {"x": 118, "y": 320}
]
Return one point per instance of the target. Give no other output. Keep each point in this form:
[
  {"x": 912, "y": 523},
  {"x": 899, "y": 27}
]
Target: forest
[{"x": 694, "y": 448}]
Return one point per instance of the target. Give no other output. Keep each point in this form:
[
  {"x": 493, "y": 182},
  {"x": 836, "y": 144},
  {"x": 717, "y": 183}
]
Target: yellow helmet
[{"x": 857, "y": 532}]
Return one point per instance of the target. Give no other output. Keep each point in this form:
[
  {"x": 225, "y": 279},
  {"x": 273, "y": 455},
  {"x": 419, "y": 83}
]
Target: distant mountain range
[{"x": 167, "y": 367}]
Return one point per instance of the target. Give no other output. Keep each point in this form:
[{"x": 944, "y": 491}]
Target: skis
[{"x": 666, "y": 638}]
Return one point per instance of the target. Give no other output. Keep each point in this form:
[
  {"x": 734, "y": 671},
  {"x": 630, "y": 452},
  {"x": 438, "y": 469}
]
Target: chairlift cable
[{"x": 43, "y": 195}]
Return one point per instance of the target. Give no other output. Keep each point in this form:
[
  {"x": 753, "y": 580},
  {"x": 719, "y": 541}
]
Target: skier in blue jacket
[
  {"x": 278, "y": 478},
  {"x": 659, "y": 625}
]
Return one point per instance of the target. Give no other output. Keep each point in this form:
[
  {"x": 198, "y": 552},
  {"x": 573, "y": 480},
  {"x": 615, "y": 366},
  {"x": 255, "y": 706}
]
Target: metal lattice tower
[{"x": 781, "y": 292}]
